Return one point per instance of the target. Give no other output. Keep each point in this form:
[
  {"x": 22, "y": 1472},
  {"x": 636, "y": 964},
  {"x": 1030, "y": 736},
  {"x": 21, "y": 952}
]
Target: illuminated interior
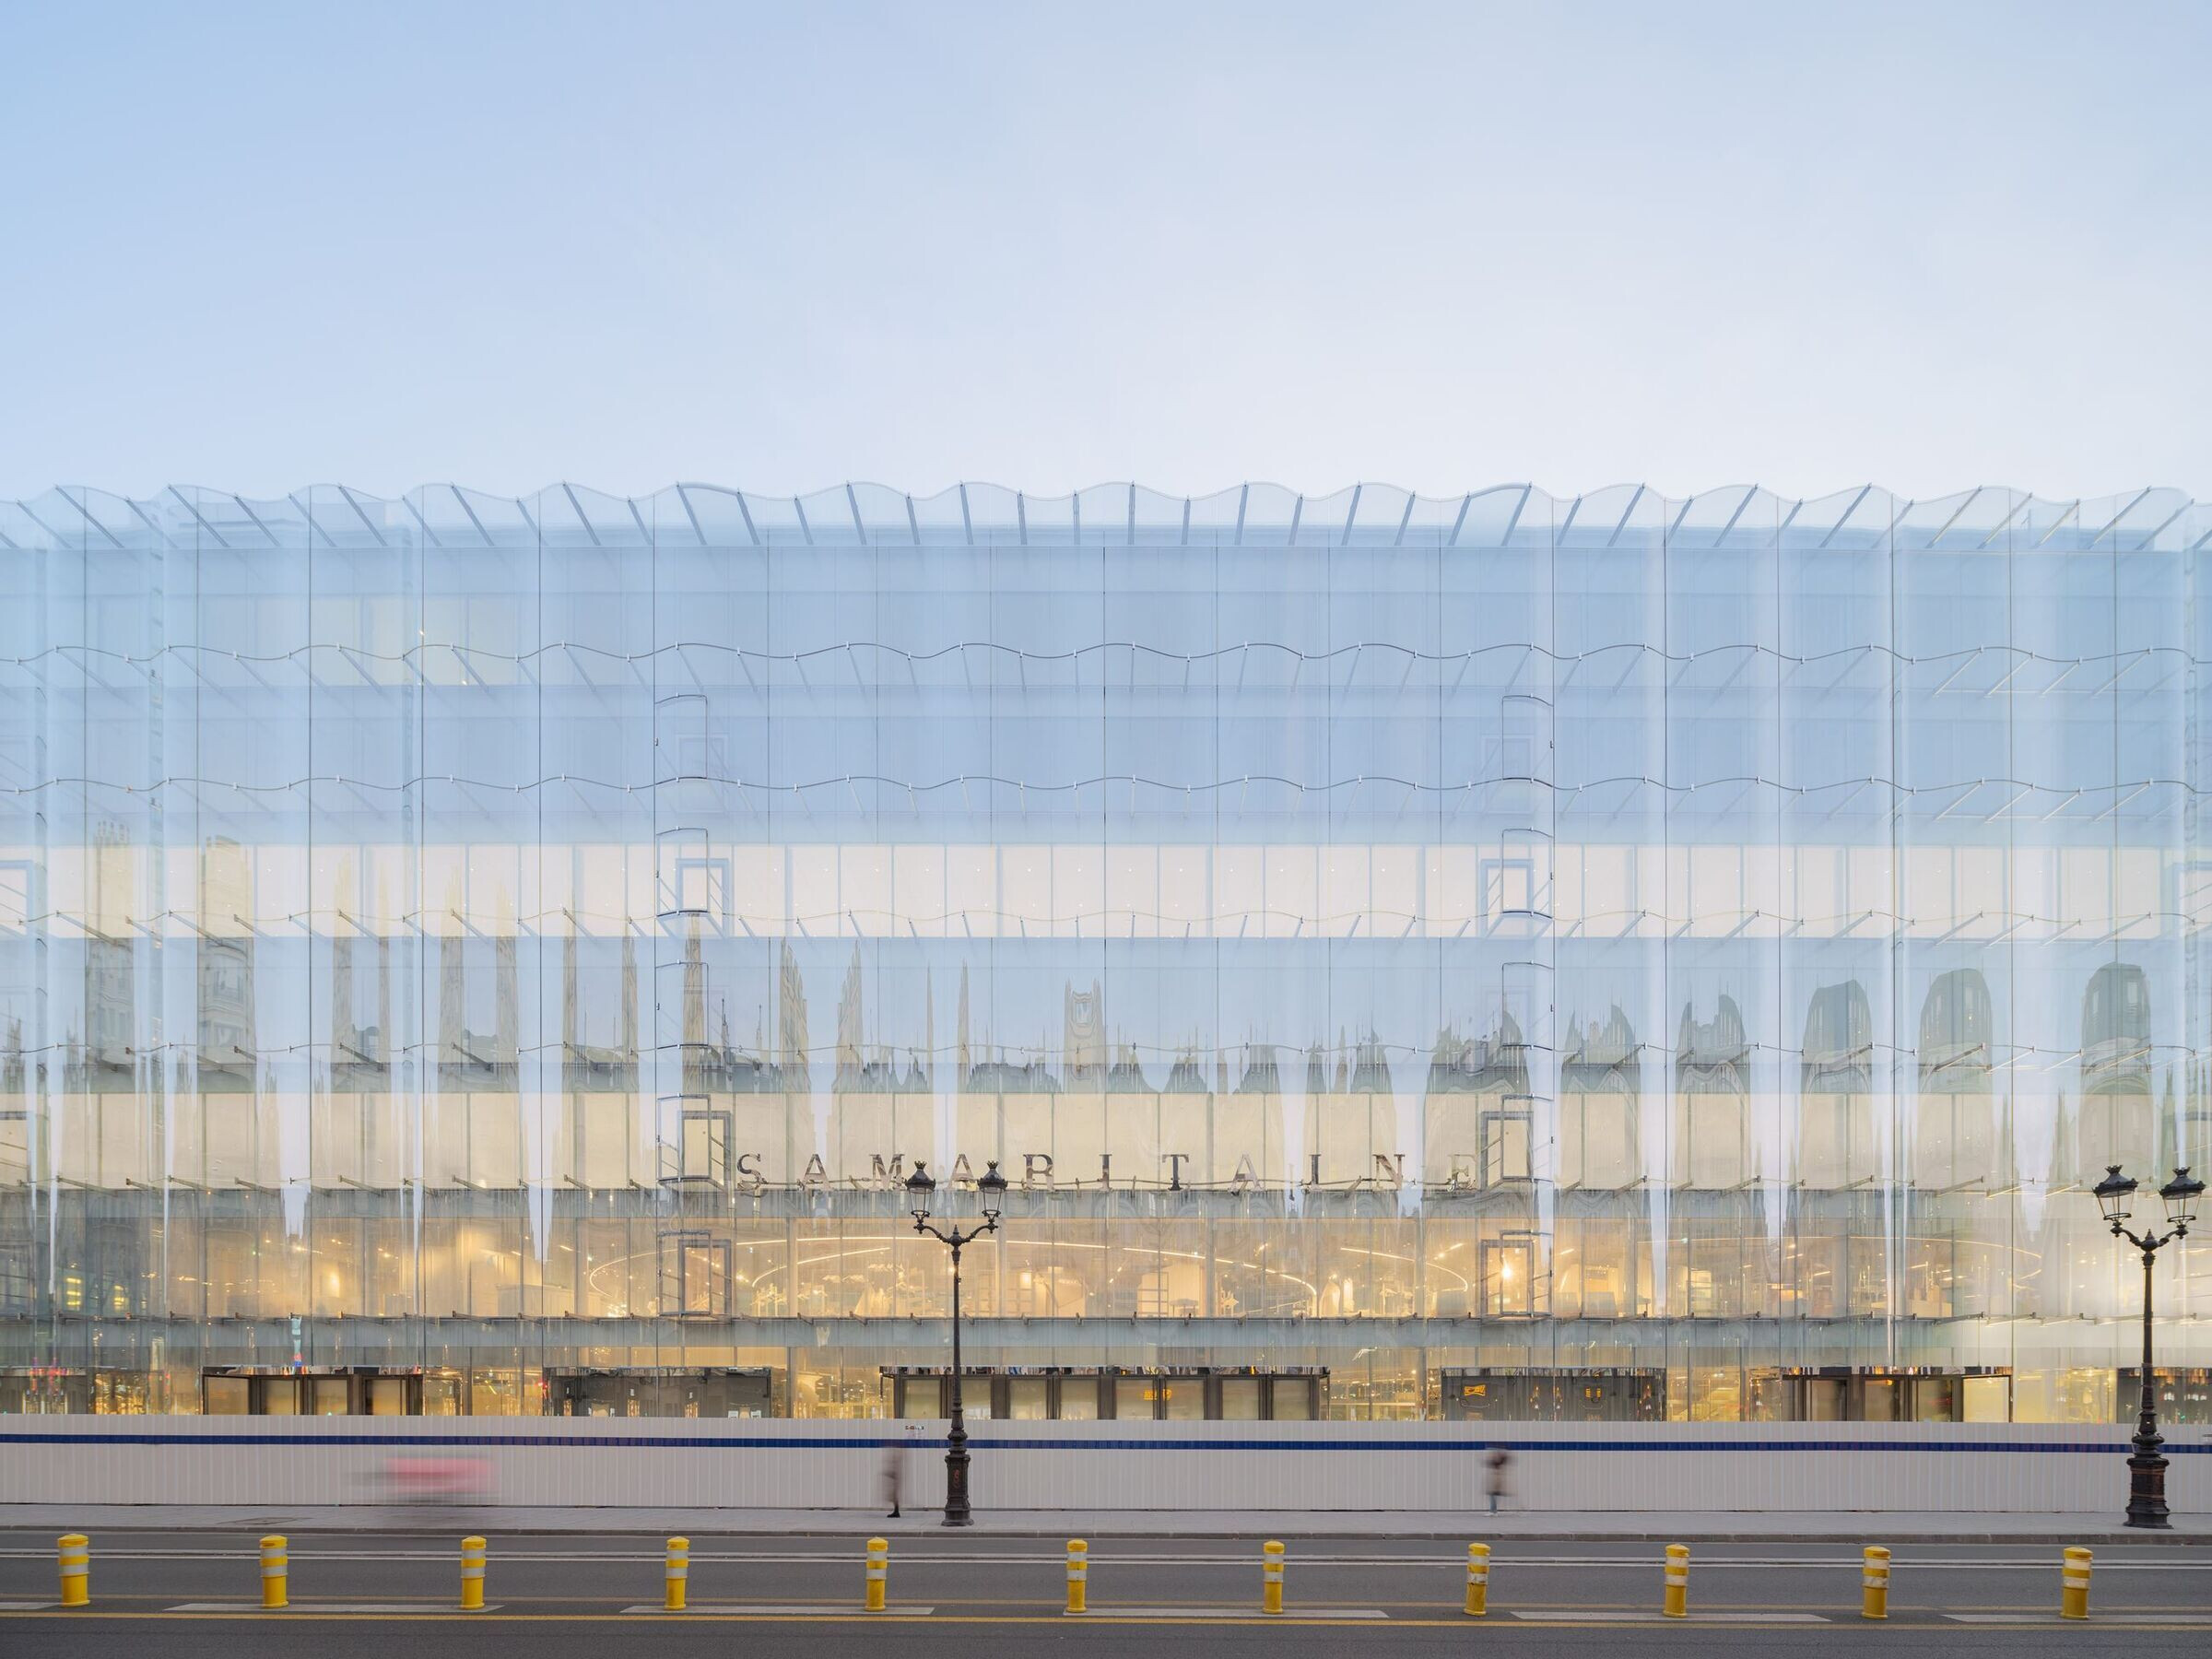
[{"x": 1613, "y": 957}]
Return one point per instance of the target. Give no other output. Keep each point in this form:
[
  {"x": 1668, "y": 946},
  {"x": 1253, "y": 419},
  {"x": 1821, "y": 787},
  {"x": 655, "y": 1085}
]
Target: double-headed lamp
[{"x": 991, "y": 1188}]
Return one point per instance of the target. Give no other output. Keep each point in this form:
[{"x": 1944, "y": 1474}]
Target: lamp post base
[
  {"x": 955, "y": 1490},
  {"x": 956, "y": 1478},
  {"x": 2146, "y": 1486}
]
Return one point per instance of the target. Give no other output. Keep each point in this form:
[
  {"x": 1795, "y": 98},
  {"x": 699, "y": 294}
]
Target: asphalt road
[{"x": 188, "y": 1594}]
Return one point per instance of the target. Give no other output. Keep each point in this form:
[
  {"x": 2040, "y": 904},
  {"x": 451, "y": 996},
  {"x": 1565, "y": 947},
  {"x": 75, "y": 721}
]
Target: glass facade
[{"x": 1412, "y": 957}]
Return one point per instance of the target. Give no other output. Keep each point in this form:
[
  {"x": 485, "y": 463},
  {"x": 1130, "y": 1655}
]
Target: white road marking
[
  {"x": 241, "y": 1606},
  {"x": 816, "y": 1610},
  {"x": 1613, "y": 1616},
  {"x": 1228, "y": 1613},
  {"x": 2185, "y": 1620}
]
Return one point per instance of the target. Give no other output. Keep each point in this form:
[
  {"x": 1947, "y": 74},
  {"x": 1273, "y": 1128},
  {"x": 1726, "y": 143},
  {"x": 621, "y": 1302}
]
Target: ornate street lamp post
[
  {"x": 990, "y": 1190},
  {"x": 2116, "y": 1192}
]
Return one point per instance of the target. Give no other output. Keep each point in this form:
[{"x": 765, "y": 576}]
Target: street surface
[{"x": 184, "y": 1594}]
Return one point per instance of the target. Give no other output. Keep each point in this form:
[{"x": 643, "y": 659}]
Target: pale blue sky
[{"x": 1933, "y": 245}]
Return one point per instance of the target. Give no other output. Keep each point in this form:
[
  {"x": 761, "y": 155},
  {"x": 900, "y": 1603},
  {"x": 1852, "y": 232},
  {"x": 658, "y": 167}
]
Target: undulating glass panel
[{"x": 1612, "y": 958}]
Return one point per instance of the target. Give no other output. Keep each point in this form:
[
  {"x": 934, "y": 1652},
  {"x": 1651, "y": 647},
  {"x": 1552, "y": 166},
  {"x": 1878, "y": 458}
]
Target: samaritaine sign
[{"x": 1039, "y": 1170}]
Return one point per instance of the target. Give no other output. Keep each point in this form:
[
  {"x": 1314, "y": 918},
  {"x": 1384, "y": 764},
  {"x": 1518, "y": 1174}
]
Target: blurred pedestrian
[
  {"x": 894, "y": 1463},
  {"x": 894, "y": 1470},
  {"x": 1495, "y": 1466}
]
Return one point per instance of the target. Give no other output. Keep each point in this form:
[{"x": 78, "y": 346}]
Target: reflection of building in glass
[
  {"x": 1957, "y": 1029},
  {"x": 508, "y": 954},
  {"x": 1712, "y": 1056},
  {"x": 1838, "y": 1041},
  {"x": 1083, "y": 1032},
  {"x": 2116, "y": 1031},
  {"x": 1475, "y": 1064},
  {"x": 1601, "y": 1058}
]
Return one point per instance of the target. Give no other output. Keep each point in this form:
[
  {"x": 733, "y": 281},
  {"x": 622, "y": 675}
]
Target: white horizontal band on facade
[{"x": 1106, "y": 890}]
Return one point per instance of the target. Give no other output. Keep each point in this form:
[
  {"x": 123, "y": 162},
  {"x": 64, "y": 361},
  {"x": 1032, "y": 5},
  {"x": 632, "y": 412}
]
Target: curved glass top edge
[{"x": 1621, "y": 517}]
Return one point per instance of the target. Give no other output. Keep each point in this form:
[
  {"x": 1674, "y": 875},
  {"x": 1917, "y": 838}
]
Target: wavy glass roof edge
[{"x": 1626, "y": 516}]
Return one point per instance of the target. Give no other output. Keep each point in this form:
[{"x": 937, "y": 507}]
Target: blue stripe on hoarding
[{"x": 752, "y": 1442}]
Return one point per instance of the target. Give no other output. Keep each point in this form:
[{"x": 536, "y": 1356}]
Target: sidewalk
[{"x": 1625, "y": 1527}]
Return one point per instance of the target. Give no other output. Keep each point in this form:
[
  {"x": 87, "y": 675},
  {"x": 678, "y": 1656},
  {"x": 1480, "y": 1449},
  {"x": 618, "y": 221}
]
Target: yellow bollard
[
  {"x": 1676, "y": 1601},
  {"x": 679, "y": 1573},
  {"x": 75, "y": 1554},
  {"x": 1079, "y": 1575},
  {"x": 879, "y": 1568},
  {"x": 472, "y": 1575},
  {"x": 1876, "y": 1579},
  {"x": 1478, "y": 1580},
  {"x": 2073, "y": 1584},
  {"x": 1271, "y": 1577},
  {"x": 274, "y": 1566}
]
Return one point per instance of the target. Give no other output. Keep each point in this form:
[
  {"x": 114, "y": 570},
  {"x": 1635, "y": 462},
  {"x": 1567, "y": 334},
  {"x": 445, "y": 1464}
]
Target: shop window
[
  {"x": 1079, "y": 1400},
  {"x": 1240, "y": 1399},
  {"x": 1986, "y": 1399},
  {"x": 1290, "y": 1400},
  {"x": 1135, "y": 1397},
  {"x": 120, "y": 1393},
  {"x": 918, "y": 1397},
  {"x": 2184, "y": 1394},
  {"x": 1935, "y": 1400},
  {"x": 1182, "y": 1399}
]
